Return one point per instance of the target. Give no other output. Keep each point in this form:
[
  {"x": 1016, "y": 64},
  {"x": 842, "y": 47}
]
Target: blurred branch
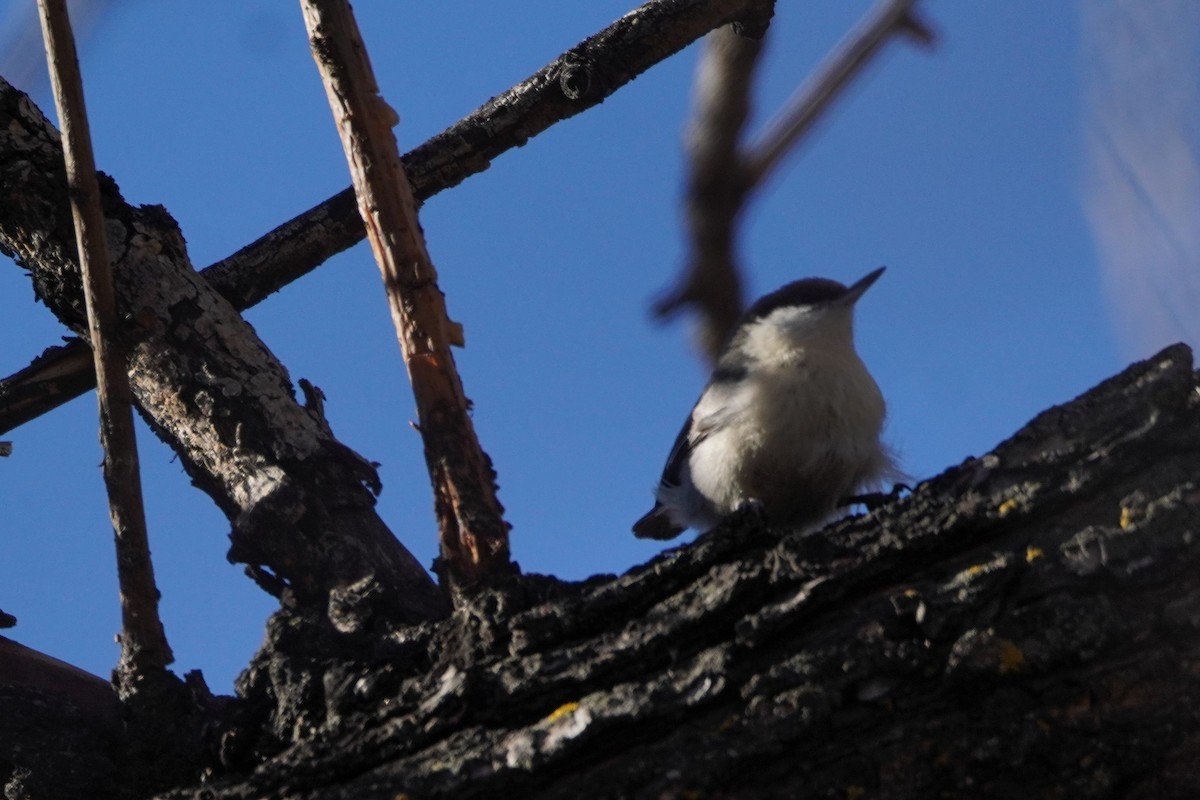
[
  {"x": 472, "y": 530},
  {"x": 144, "y": 648},
  {"x": 887, "y": 19},
  {"x": 577, "y": 80},
  {"x": 716, "y": 185},
  {"x": 724, "y": 174}
]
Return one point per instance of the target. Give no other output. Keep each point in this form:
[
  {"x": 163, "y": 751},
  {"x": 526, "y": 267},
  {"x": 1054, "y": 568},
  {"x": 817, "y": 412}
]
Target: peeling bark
[{"x": 300, "y": 502}]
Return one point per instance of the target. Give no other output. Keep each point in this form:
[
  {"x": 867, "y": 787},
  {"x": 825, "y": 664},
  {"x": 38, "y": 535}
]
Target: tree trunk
[{"x": 1024, "y": 625}]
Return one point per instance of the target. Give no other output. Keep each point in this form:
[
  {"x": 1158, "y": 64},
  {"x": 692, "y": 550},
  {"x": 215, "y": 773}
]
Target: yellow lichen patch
[
  {"x": 1126, "y": 518},
  {"x": 1007, "y": 507},
  {"x": 562, "y": 711},
  {"x": 974, "y": 569},
  {"x": 1011, "y": 657},
  {"x": 855, "y": 792},
  {"x": 1033, "y": 553},
  {"x": 911, "y": 593}
]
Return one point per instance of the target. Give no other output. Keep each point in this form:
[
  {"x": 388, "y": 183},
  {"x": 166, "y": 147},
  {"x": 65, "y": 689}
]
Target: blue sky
[{"x": 970, "y": 171}]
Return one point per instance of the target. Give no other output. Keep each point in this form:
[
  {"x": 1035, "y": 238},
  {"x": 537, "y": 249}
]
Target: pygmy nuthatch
[{"x": 790, "y": 419}]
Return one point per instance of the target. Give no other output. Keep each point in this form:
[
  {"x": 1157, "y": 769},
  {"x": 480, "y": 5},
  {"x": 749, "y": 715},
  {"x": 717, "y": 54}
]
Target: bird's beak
[{"x": 856, "y": 291}]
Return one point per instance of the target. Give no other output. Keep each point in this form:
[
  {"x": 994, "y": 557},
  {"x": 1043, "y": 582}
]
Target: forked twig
[
  {"x": 888, "y": 18},
  {"x": 724, "y": 174}
]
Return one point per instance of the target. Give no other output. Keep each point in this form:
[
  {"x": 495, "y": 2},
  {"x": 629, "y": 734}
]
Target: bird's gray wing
[{"x": 718, "y": 404}]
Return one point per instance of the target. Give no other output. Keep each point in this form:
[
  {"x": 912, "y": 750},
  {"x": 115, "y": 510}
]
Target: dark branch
[
  {"x": 299, "y": 501},
  {"x": 1024, "y": 625}
]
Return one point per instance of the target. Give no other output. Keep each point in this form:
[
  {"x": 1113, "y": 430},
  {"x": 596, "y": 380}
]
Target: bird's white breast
[{"x": 807, "y": 436}]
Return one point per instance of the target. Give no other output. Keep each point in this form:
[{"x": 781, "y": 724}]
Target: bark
[
  {"x": 300, "y": 502},
  {"x": 59, "y": 730},
  {"x": 1024, "y": 625}
]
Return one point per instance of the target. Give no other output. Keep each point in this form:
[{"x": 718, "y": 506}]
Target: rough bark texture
[
  {"x": 300, "y": 502},
  {"x": 1026, "y": 624}
]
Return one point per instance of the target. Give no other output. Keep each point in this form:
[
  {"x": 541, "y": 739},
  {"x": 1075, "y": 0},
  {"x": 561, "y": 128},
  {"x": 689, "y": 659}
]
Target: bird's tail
[{"x": 656, "y": 524}]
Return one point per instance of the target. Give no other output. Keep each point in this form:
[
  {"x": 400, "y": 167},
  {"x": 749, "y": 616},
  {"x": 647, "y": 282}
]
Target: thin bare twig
[
  {"x": 577, "y": 80},
  {"x": 472, "y": 530},
  {"x": 886, "y": 19},
  {"x": 144, "y": 647}
]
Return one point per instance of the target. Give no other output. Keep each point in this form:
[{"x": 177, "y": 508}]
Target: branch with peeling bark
[
  {"x": 724, "y": 173},
  {"x": 471, "y": 528},
  {"x": 577, "y": 80}
]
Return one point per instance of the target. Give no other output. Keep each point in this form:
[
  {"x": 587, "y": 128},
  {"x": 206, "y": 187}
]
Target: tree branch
[
  {"x": 724, "y": 174},
  {"x": 301, "y": 503},
  {"x": 887, "y": 19},
  {"x": 577, "y": 80},
  {"x": 471, "y": 528},
  {"x": 716, "y": 187},
  {"x": 1024, "y": 625},
  {"x": 144, "y": 648}
]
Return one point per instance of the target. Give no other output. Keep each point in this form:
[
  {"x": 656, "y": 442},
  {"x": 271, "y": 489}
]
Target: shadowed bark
[{"x": 1024, "y": 625}]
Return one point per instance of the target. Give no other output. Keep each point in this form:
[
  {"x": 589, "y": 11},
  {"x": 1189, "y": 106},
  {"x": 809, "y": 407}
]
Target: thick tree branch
[
  {"x": 1024, "y": 625},
  {"x": 144, "y": 648},
  {"x": 471, "y": 528},
  {"x": 60, "y": 730},
  {"x": 577, "y": 80},
  {"x": 300, "y": 502}
]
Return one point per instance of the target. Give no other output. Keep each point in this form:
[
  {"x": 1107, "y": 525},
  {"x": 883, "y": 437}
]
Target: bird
[{"x": 789, "y": 423}]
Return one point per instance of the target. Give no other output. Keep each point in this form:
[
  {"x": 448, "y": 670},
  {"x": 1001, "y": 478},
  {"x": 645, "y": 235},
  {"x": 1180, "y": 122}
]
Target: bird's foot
[
  {"x": 873, "y": 500},
  {"x": 752, "y": 508}
]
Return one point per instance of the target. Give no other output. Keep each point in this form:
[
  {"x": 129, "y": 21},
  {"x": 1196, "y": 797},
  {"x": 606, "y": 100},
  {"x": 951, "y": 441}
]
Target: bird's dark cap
[{"x": 811, "y": 292}]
